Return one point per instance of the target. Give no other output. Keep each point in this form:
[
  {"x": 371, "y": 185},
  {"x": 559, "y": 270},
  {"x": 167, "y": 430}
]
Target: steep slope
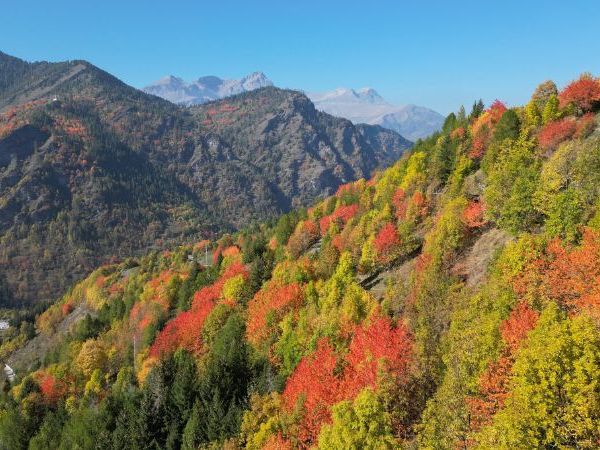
[
  {"x": 451, "y": 301},
  {"x": 204, "y": 89},
  {"x": 367, "y": 106},
  {"x": 279, "y": 136},
  {"x": 92, "y": 169}
]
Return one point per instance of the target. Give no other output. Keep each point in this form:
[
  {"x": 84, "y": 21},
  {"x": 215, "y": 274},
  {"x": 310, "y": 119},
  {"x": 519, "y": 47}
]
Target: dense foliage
[{"x": 451, "y": 301}]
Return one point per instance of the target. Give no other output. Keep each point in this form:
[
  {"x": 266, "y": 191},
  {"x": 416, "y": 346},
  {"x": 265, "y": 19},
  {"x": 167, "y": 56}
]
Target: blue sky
[{"x": 438, "y": 54}]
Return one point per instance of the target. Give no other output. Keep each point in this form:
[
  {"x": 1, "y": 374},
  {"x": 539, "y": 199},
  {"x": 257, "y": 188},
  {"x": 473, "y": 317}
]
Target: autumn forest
[{"x": 451, "y": 300}]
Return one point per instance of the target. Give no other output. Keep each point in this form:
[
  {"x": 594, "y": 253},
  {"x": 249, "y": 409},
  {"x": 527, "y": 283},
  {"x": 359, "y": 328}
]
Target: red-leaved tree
[
  {"x": 400, "y": 203},
  {"x": 376, "y": 346},
  {"x": 315, "y": 387},
  {"x": 472, "y": 216},
  {"x": 481, "y": 129},
  {"x": 341, "y": 216},
  {"x": 566, "y": 274},
  {"x": 553, "y": 133},
  {"x": 268, "y": 307},
  {"x": 584, "y": 93},
  {"x": 585, "y": 125},
  {"x": 52, "y": 390},
  {"x": 387, "y": 243},
  {"x": 277, "y": 442}
]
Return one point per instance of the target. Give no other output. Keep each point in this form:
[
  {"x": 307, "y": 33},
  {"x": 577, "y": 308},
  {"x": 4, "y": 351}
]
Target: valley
[{"x": 93, "y": 171}]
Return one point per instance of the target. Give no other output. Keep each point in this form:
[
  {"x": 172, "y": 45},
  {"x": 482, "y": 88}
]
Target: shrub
[
  {"x": 552, "y": 134},
  {"x": 304, "y": 236},
  {"x": 473, "y": 215},
  {"x": 585, "y": 125}
]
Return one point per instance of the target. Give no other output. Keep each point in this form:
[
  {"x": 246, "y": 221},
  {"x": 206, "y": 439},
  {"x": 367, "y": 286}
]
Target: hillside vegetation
[
  {"x": 451, "y": 301},
  {"x": 93, "y": 170}
]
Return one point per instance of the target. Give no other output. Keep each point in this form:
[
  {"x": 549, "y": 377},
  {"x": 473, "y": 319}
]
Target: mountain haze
[
  {"x": 359, "y": 106},
  {"x": 367, "y": 106}
]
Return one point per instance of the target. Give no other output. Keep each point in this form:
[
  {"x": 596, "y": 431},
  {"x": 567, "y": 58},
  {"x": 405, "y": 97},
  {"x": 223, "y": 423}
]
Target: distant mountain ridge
[
  {"x": 204, "y": 89},
  {"x": 367, "y": 106},
  {"x": 363, "y": 105}
]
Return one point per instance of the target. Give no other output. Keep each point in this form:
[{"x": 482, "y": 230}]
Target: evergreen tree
[
  {"x": 449, "y": 123},
  {"x": 508, "y": 126},
  {"x": 49, "y": 434},
  {"x": 192, "y": 433},
  {"x": 476, "y": 110},
  {"x": 223, "y": 390}
]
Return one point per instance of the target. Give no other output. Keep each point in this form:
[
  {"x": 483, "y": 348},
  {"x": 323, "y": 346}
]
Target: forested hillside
[
  {"x": 93, "y": 170},
  {"x": 451, "y": 301}
]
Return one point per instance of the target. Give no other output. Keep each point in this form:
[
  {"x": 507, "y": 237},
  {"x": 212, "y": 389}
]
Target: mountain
[
  {"x": 367, "y": 106},
  {"x": 450, "y": 301},
  {"x": 362, "y": 106},
  {"x": 204, "y": 89},
  {"x": 92, "y": 169}
]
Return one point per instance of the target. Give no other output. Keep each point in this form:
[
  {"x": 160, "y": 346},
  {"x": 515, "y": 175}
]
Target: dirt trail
[{"x": 32, "y": 353}]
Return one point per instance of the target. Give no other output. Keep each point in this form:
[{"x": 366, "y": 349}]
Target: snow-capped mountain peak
[
  {"x": 365, "y": 105},
  {"x": 347, "y": 95},
  {"x": 205, "y": 88},
  {"x": 170, "y": 80},
  {"x": 370, "y": 95},
  {"x": 255, "y": 80}
]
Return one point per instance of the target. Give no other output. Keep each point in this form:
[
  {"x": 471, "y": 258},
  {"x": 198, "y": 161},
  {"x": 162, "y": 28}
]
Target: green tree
[
  {"x": 508, "y": 126},
  {"x": 14, "y": 429},
  {"x": 476, "y": 110},
  {"x": 532, "y": 115},
  {"x": 192, "y": 433},
  {"x": 361, "y": 424},
  {"x": 555, "y": 399},
  {"x": 569, "y": 188},
  {"x": 82, "y": 430},
  {"x": 223, "y": 387},
  {"x": 443, "y": 157},
  {"x": 551, "y": 110},
  {"x": 94, "y": 386},
  {"x": 182, "y": 391},
  {"x": 472, "y": 340},
  {"x": 512, "y": 182},
  {"x": 564, "y": 215},
  {"x": 449, "y": 123},
  {"x": 48, "y": 436},
  {"x": 368, "y": 256},
  {"x": 461, "y": 116}
]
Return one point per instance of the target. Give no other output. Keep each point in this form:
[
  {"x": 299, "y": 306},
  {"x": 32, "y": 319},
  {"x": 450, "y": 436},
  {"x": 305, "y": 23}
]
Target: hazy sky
[{"x": 438, "y": 54}]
